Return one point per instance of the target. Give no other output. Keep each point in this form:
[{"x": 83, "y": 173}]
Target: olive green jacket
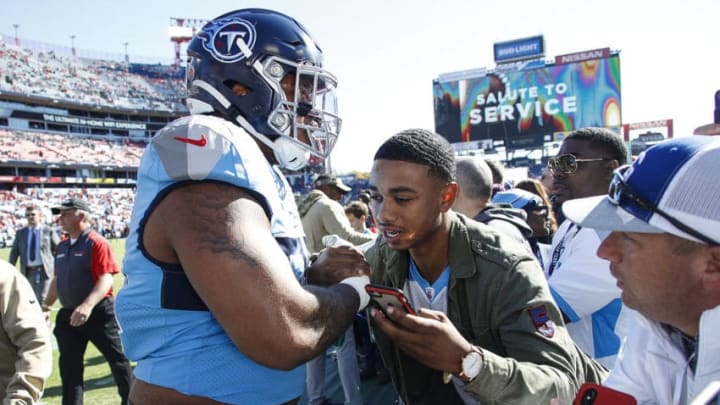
[{"x": 498, "y": 299}]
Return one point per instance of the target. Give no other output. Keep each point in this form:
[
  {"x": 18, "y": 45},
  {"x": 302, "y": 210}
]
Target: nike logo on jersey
[{"x": 192, "y": 141}]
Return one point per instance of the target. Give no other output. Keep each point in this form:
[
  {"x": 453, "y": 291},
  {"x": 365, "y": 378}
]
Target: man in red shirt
[{"x": 84, "y": 269}]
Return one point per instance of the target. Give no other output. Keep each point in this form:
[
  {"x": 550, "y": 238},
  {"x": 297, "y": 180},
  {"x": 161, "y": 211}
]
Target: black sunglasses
[
  {"x": 568, "y": 163},
  {"x": 620, "y": 191}
]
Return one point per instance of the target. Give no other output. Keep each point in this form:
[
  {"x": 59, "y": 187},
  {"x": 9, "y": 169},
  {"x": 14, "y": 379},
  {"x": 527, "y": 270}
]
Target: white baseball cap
[{"x": 672, "y": 187}]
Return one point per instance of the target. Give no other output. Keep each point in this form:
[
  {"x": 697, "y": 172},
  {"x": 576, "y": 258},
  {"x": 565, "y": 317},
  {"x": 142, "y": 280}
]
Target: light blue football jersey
[{"x": 165, "y": 326}]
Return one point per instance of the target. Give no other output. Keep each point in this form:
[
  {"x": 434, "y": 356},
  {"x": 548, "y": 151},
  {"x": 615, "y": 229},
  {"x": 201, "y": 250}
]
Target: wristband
[{"x": 359, "y": 283}]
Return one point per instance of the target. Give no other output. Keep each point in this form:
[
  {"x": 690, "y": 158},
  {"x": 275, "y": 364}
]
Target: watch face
[{"x": 471, "y": 364}]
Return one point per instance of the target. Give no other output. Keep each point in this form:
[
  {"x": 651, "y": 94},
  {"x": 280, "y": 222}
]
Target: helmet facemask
[{"x": 307, "y": 112}]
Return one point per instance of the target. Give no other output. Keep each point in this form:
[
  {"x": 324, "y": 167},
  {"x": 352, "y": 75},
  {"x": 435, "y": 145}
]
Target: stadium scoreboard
[{"x": 524, "y": 103}]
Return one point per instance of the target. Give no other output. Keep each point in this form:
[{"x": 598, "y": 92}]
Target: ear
[
  {"x": 448, "y": 196},
  {"x": 711, "y": 277},
  {"x": 610, "y": 167}
]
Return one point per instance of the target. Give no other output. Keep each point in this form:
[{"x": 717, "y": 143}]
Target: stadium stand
[
  {"x": 91, "y": 82},
  {"x": 28, "y": 146},
  {"x": 77, "y": 126},
  {"x": 112, "y": 208},
  {"x": 69, "y": 119}
]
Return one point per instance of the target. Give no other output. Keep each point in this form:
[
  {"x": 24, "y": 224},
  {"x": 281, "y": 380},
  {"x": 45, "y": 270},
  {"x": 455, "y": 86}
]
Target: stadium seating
[
  {"x": 112, "y": 208},
  {"x": 28, "y": 146},
  {"x": 90, "y": 81}
]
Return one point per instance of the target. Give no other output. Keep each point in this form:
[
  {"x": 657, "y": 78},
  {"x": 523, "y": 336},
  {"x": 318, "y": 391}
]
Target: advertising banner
[
  {"x": 519, "y": 49},
  {"x": 521, "y": 107},
  {"x": 94, "y": 122}
]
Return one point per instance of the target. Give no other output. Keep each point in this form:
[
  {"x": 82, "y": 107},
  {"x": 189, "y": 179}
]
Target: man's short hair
[
  {"x": 33, "y": 207},
  {"x": 357, "y": 209},
  {"x": 474, "y": 177},
  {"x": 497, "y": 169},
  {"x": 422, "y": 147},
  {"x": 603, "y": 139}
]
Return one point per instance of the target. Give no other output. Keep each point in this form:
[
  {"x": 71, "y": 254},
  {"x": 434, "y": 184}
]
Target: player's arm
[{"x": 221, "y": 236}]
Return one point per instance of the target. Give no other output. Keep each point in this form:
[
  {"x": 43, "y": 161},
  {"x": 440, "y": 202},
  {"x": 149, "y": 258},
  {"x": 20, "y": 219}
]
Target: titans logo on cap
[{"x": 229, "y": 40}]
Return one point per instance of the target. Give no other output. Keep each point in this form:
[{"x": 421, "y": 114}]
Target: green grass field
[{"x": 99, "y": 385}]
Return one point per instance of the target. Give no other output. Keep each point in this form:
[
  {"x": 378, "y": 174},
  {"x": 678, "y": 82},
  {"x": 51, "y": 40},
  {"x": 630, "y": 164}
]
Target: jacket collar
[
  {"x": 461, "y": 261},
  {"x": 709, "y": 344}
]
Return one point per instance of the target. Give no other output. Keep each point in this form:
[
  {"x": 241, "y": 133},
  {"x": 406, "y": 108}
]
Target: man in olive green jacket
[{"x": 496, "y": 332}]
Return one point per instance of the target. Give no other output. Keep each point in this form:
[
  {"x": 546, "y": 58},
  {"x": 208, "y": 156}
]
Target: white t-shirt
[{"x": 585, "y": 291}]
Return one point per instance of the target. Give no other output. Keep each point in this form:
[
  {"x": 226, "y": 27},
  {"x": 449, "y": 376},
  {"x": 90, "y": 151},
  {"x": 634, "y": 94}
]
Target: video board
[{"x": 521, "y": 106}]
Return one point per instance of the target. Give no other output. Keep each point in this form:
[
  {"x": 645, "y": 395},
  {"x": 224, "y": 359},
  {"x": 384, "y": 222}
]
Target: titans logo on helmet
[{"x": 228, "y": 39}]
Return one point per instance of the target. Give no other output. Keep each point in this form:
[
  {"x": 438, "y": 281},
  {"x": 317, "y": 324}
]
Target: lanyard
[{"x": 557, "y": 252}]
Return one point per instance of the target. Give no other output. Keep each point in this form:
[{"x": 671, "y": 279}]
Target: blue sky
[{"x": 386, "y": 52}]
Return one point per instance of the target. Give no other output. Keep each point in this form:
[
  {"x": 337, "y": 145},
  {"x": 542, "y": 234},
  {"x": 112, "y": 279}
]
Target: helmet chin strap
[{"x": 289, "y": 154}]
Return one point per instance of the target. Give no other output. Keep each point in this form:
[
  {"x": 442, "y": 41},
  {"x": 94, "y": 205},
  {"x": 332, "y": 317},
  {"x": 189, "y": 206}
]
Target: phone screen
[{"x": 382, "y": 296}]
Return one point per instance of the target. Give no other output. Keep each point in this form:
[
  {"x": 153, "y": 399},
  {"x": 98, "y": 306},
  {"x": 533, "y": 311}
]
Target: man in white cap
[{"x": 664, "y": 216}]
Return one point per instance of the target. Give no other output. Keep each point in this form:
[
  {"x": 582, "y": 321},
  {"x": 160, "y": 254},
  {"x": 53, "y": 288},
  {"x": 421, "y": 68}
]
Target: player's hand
[
  {"x": 429, "y": 337},
  {"x": 335, "y": 264}
]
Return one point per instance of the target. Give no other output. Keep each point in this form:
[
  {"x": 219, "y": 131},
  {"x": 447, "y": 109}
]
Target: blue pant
[{"x": 348, "y": 370}]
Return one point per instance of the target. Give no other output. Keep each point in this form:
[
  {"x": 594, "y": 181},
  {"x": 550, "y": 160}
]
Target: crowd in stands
[
  {"x": 54, "y": 148},
  {"x": 112, "y": 208},
  {"x": 90, "y": 81}
]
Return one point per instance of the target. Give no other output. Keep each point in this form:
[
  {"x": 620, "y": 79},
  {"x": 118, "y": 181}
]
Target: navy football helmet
[{"x": 286, "y": 93}]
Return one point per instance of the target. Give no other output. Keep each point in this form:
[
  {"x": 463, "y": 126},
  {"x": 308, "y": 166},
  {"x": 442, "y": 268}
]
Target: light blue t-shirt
[{"x": 423, "y": 294}]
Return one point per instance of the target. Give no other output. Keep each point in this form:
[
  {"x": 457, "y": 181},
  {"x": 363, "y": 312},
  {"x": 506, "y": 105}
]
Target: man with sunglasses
[
  {"x": 579, "y": 280},
  {"x": 664, "y": 219}
]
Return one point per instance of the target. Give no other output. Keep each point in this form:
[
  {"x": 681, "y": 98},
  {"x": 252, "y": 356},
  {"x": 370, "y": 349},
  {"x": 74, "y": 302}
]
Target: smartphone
[
  {"x": 591, "y": 393},
  {"x": 382, "y": 296}
]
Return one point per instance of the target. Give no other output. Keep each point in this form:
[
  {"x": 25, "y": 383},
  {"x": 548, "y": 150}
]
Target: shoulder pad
[{"x": 190, "y": 147}]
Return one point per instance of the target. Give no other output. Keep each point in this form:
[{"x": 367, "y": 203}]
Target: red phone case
[
  {"x": 384, "y": 296},
  {"x": 594, "y": 394}
]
